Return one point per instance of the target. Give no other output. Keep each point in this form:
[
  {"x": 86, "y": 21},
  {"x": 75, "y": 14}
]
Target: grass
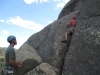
[
  {"x": 1, "y": 63},
  {"x": 2, "y": 53}
]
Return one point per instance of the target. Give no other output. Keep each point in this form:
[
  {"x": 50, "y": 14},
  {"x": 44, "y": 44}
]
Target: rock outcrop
[
  {"x": 48, "y": 42},
  {"x": 83, "y": 56},
  {"x": 43, "y": 69},
  {"x": 68, "y": 8},
  {"x": 29, "y": 57},
  {"x": 80, "y": 56}
]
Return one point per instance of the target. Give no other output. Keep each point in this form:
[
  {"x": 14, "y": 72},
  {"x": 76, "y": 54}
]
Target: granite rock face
[
  {"x": 48, "y": 43},
  {"x": 45, "y": 46},
  {"x": 81, "y": 55}
]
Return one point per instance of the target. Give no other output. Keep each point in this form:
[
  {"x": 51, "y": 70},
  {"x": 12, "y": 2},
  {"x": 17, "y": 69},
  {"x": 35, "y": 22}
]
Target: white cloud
[
  {"x": 56, "y": 0},
  {"x": 30, "y": 1},
  {"x": 2, "y": 21},
  {"x": 7, "y": 22},
  {"x": 35, "y": 1},
  {"x": 5, "y": 32},
  {"x": 47, "y": 22},
  {"x": 25, "y": 23},
  {"x": 60, "y": 5},
  {"x": 4, "y": 42},
  {"x": 65, "y": 1},
  {"x": 41, "y": 1}
]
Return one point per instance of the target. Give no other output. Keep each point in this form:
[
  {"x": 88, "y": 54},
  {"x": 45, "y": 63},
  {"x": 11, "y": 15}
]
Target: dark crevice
[{"x": 67, "y": 48}]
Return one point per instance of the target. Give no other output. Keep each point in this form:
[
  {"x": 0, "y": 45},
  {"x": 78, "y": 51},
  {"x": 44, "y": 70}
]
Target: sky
[{"x": 23, "y": 18}]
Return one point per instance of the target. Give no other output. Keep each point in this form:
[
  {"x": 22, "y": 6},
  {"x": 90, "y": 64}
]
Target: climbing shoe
[{"x": 64, "y": 41}]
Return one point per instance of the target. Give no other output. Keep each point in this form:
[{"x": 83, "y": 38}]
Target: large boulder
[
  {"x": 30, "y": 59},
  {"x": 83, "y": 57},
  {"x": 48, "y": 42},
  {"x": 43, "y": 69}
]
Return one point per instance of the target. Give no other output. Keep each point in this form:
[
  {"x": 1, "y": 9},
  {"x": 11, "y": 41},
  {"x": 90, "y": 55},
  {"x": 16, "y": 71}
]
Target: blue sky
[{"x": 22, "y": 18}]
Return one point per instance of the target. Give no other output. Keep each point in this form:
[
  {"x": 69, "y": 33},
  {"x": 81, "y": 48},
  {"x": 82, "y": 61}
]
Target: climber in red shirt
[{"x": 70, "y": 31}]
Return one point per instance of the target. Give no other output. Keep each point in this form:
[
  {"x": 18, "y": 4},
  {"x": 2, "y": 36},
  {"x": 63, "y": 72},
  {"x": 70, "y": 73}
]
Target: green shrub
[{"x": 2, "y": 59}]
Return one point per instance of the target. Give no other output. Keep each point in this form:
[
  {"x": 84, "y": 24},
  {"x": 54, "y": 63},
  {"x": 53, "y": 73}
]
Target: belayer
[{"x": 10, "y": 58}]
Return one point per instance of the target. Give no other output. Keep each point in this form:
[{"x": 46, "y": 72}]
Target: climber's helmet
[
  {"x": 11, "y": 39},
  {"x": 74, "y": 17}
]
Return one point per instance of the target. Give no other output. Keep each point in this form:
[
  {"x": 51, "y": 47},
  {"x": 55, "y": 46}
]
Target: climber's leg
[
  {"x": 65, "y": 41},
  {"x": 66, "y": 35},
  {"x": 72, "y": 30},
  {"x": 69, "y": 32}
]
